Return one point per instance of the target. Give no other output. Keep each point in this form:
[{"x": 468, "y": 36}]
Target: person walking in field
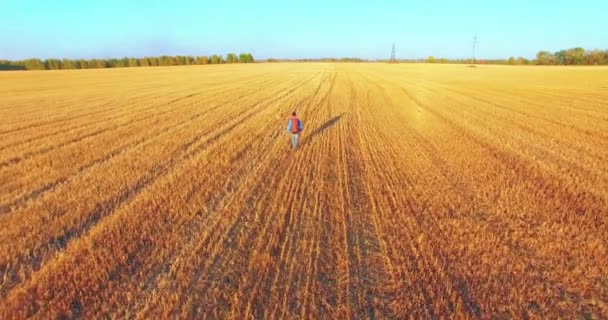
[{"x": 294, "y": 126}]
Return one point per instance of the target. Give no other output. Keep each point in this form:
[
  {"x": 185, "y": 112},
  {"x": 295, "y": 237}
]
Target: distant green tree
[
  {"x": 167, "y": 61},
  {"x": 594, "y": 57},
  {"x": 34, "y": 64},
  {"x": 431, "y": 59},
  {"x": 68, "y": 64},
  {"x": 575, "y": 56},
  {"x": 202, "y": 60},
  {"x": 545, "y": 58},
  {"x": 246, "y": 58},
  {"x": 216, "y": 59},
  {"x": 561, "y": 57},
  {"x": 511, "y": 61},
  {"x": 163, "y": 61},
  {"x": 232, "y": 58},
  {"x": 154, "y": 61},
  {"x": 11, "y": 65},
  {"x": 53, "y": 64},
  {"x": 97, "y": 64}
]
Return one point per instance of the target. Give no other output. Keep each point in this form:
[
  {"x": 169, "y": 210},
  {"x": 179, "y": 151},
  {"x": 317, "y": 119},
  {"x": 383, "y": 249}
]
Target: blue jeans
[{"x": 294, "y": 140}]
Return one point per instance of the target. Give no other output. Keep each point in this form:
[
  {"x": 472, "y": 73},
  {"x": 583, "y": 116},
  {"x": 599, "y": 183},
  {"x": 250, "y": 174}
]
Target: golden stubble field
[{"x": 423, "y": 191}]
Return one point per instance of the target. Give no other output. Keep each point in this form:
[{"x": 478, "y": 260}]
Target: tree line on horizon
[
  {"x": 64, "y": 64},
  {"x": 573, "y": 56}
]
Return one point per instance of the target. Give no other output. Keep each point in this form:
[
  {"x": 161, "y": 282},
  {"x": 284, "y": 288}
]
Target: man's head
[{"x": 293, "y": 113}]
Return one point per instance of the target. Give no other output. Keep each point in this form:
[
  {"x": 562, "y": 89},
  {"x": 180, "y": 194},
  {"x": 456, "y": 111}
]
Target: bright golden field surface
[{"x": 423, "y": 191}]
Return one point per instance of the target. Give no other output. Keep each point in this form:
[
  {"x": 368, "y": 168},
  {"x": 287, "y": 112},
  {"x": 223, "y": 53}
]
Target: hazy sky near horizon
[{"x": 298, "y": 29}]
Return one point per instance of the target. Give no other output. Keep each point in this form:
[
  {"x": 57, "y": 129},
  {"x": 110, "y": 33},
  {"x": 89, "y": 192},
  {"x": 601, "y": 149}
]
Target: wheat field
[{"x": 419, "y": 191}]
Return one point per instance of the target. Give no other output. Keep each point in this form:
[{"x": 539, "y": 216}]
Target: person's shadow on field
[{"x": 328, "y": 124}]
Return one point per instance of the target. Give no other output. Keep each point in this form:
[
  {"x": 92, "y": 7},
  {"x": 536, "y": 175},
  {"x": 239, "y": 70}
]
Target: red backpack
[{"x": 294, "y": 125}]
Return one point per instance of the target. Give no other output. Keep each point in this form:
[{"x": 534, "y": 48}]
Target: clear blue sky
[{"x": 298, "y": 29}]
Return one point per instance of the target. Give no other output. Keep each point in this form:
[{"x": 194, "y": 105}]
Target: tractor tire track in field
[
  {"x": 137, "y": 100},
  {"x": 230, "y": 232},
  {"x": 134, "y": 101},
  {"x": 212, "y": 203},
  {"x": 22, "y": 200},
  {"x": 590, "y": 114},
  {"x": 550, "y": 152},
  {"x": 289, "y": 224},
  {"x": 83, "y": 168},
  {"x": 239, "y": 223},
  {"x": 547, "y": 152},
  {"x": 392, "y": 283},
  {"x": 458, "y": 282},
  {"x": 362, "y": 241},
  {"x": 135, "y": 259},
  {"x": 105, "y": 208},
  {"x": 519, "y": 164},
  {"x": 79, "y": 138},
  {"x": 273, "y": 241},
  {"x": 94, "y": 111},
  {"x": 112, "y": 112},
  {"x": 540, "y": 127},
  {"x": 526, "y": 127},
  {"x": 514, "y": 163}
]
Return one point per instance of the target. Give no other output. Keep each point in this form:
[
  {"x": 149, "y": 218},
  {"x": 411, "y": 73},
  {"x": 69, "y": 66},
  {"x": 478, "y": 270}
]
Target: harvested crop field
[{"x": 424, "y": 191}]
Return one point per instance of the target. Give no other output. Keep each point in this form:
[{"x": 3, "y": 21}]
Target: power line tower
[
  {"x": 393, "y": 56},
  {"x": 475, "y": 41}
]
